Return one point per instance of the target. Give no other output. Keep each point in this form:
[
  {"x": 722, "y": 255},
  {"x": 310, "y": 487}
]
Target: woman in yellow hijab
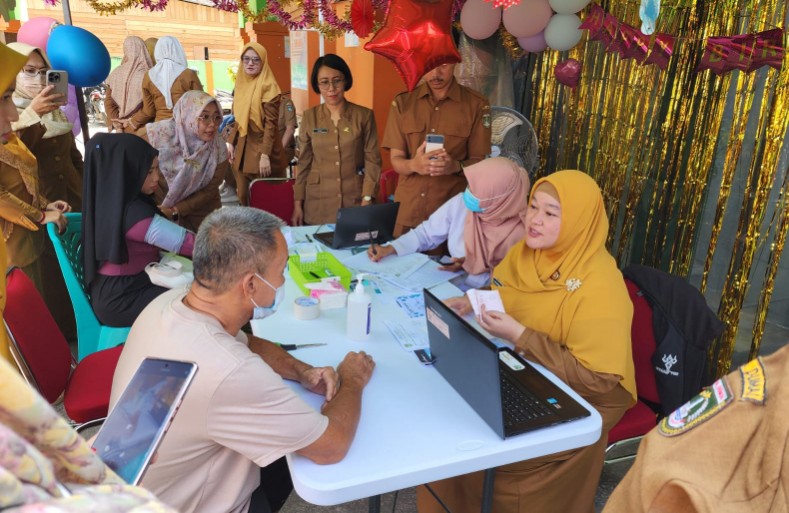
[
  {"x": 254, "y": 143},
  {"x": 567, "y": 308}
]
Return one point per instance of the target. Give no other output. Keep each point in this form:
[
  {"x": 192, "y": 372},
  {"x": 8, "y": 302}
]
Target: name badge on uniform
[
  {"x": 346, "y": 129},
  {"x": 320, "y": 130}
]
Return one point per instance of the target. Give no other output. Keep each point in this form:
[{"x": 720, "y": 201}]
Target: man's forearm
[{"x": 277, "y": 358}]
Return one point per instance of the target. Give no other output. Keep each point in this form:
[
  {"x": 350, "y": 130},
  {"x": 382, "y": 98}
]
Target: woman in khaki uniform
[
  {"x": 192, "y": 159},
  {"x": 567, "y": 309},
  {"x": 46, "y": 132},
  {"x": 287, "y": 125},
  {"x": 339, "y": 158},
  {"x": 163, "y": 85},
  {"x": 124, "y": 85},
  {"x": 254, "y": 141}
]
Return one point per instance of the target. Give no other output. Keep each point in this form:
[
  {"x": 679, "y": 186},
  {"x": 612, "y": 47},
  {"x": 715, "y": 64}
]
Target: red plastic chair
[
  {"x": 45, "y": 359},
  {"x": 274, "y": 195},
  {"x": 641, "y": 418},
  {"x": 387, "y": 185}
]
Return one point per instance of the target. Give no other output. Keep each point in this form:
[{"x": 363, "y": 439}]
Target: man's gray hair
[{"x": 231, "y": 242}]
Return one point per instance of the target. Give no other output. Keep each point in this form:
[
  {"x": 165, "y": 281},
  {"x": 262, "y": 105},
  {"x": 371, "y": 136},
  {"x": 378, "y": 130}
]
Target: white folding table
[{"x": 414, "y": 427}]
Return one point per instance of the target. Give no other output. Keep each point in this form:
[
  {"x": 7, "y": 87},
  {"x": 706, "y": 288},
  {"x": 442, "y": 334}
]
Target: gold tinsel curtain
[{"x": 650, "y": 138}]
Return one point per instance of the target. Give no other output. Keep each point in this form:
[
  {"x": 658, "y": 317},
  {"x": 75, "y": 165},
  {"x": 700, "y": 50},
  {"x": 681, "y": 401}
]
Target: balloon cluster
[
  {"x": 72, "y": 49},
  {"x": 538, "y": 24}
]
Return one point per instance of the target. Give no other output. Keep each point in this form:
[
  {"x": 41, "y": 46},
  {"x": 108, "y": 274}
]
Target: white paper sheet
[
  {"x": 394, "y": 267},
  {"x": 490, "y": 298}
]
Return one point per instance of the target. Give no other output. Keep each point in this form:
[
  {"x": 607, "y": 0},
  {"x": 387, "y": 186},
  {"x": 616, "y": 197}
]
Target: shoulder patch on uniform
[
  {"x": 486, "y": 120},
  {"x": 754, "y": 382},
  {"x": 698, "y": 410}
]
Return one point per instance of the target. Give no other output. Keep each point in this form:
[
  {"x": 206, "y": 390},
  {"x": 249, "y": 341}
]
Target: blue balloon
[{"x": 80, "y": 53}]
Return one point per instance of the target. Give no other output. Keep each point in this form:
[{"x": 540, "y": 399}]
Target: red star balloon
[{"x": 416, "y": 38}]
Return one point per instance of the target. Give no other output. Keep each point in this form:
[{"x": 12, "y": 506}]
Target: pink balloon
[
  {"x": 479, "y": 19},
  {"x": 534, "y": 44},
  {"x": 35, "y": 31},
  {"x": 71, "y": 110},
  {"x": 528, "y": 18}
]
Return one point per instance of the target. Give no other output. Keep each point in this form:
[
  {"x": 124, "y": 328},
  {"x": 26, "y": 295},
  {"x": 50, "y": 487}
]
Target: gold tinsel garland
[{"x": 111, "y": 9}]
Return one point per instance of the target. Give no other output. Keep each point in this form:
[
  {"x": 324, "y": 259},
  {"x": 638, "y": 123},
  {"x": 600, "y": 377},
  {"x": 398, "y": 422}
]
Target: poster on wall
[{"x": 299, "y": 66}]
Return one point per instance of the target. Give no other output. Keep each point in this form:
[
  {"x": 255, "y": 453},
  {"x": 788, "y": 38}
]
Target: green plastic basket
[{"x": 324, "y": 266}]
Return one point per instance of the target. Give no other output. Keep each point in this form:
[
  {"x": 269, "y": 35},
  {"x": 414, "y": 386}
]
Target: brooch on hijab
[
  {"x": 555, "y": 276},
  {"x": 573, "y": 284}
]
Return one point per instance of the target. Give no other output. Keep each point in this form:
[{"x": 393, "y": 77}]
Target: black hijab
[{"x": 116, "y": 166}]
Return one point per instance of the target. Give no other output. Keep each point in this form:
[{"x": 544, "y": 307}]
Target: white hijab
[{"x": 170, "y": 62}]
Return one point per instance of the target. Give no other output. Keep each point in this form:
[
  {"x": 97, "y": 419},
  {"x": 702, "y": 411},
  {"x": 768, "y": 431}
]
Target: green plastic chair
[{"x": 92, "y": 336}]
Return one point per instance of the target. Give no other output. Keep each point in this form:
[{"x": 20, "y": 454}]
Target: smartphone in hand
[
  {"x": 59, "y": 79},
  {"x": 135, "y": 427},
  {"x": 434, "y": 142}
]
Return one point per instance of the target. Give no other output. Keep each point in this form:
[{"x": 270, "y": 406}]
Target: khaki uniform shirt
[
  {"x": 23, "y": 235},
  {"x": 724, "y": 451},
  {"x": 248, "y": 149},
  {"x": 287, "y": 118},
  {"x": 462, "y": 117},
  {"x": 60, "y": 165},
  {"x": 337, "y": 164},
  {"x": 113, "y": 111},
  {"x": 154, "y": 106}
]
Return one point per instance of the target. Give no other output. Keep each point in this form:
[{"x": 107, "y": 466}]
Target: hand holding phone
[
  {"x": 434, "y": 142},
  {"x": 59, "y": 80}
]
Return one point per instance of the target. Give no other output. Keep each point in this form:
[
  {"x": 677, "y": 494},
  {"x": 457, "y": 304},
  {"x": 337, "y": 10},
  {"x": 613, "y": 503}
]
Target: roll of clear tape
[{"x": 306, "y": 308}]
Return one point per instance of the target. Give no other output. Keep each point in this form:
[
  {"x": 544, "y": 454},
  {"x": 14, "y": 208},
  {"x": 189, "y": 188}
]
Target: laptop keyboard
[{"x": 519, "y": 405}]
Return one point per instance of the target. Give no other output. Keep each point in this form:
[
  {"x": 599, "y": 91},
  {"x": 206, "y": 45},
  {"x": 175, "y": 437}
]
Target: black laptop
[
  {"x": 357, "y": 226},
  {"x": 504, "y": 389}
]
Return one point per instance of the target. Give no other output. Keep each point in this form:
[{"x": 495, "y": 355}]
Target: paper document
[
  {"x": 413, "y": 305},
  {"x": 400, "y": 267},
  {"x": 411, "y": 334},
  {"x": 490, "y": 298}
]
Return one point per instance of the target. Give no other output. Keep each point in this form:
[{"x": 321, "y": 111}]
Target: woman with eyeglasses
[
  {"x": 339, "y": 158},
  {"x": 122, "y": 228},
  {"x": 163, "y": 85},
  {"x": 48, "y": 165},
  {"x": 192, "y": 159},
  {"x": 254, "y": 142}
]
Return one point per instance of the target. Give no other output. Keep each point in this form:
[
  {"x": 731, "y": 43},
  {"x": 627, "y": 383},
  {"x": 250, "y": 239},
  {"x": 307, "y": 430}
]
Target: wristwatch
[{"x": 367, "y": 198}]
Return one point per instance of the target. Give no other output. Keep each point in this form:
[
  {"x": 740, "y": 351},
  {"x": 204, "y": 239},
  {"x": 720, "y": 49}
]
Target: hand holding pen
[{"x": 376, "y": 252}]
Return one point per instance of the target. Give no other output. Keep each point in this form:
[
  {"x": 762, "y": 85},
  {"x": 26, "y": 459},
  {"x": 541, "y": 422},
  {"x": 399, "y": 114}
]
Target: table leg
[
  {"x": 487, "y": 491},
  {"x": 374, "y": 504}
]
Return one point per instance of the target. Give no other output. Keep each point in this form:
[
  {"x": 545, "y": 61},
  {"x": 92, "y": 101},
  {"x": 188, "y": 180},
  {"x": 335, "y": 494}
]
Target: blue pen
[{"x": 372, "y": 284}]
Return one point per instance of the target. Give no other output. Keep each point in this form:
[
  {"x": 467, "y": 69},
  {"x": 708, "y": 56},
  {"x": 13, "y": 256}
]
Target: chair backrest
[
  {"x": 644, "y": 345},
  {"x": 68, "y": 247},
  {"x": 274, "y": 195},
  {"x": 387, "y": 185},
  {"x": 35, "y": 336}
]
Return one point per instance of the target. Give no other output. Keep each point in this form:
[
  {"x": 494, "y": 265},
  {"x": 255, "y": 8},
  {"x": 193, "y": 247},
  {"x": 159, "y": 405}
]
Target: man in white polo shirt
[{"x": 238, "y": 415}]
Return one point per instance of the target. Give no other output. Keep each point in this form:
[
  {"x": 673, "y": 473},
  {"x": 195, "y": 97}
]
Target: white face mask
[{"x": 261, "y": 312}]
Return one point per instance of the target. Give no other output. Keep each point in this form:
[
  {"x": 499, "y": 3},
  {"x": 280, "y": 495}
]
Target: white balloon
[
  {"x": 562, "y": 32},
  {"x": 568, "y": 6},
  {"x": 479, "y": 19}
]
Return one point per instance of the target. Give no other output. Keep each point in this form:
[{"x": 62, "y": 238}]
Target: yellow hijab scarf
[
  {"x": 252, "y": 92},
  {"x": 573, "y": 291}
]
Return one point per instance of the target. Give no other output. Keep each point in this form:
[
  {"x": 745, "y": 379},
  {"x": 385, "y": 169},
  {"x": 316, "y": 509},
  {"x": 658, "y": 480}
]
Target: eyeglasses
[
  {"x": 31, "y": 72},
  {"x": 250, "y": 60},
  {"x": 335, "y": 83},
  {"x": 208, "y": 120}
]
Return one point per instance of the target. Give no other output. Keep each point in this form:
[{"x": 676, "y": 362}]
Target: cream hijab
[
  {"x": 573, "y": 291},
  {"x": 125, "y": 81},
  {"x": 170, "y": 62},
  {"x": 252, "y": 92},
  {"x": 503, "y": 190},
  {"x": 55, "y": 122}
]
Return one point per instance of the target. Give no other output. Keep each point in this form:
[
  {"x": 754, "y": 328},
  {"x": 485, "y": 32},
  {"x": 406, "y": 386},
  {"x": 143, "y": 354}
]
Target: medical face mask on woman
[
  {"x": 261, "y": 312},
  {"x": 472, "y": 202}
]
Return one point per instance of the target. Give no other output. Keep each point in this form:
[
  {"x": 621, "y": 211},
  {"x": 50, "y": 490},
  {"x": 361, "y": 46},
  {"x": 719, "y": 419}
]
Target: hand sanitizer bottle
[{"x": 358, "y": 320}]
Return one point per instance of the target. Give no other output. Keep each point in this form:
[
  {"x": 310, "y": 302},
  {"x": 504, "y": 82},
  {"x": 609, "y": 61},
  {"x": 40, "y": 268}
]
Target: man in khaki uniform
[
  {"x": 287, "y": 126},
  {"x": 725, "y": 450},
  {"x": 439, "y": 105}
]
